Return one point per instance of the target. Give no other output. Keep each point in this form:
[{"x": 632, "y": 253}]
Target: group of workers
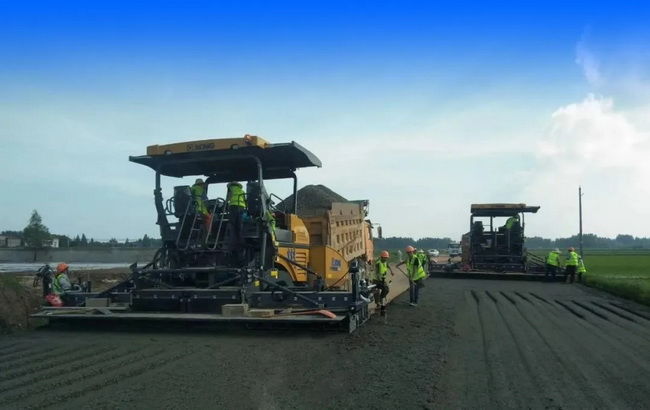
[
  {"x": 573, "y": 265},
  {"x": 236, "y": 202},
  {"x": 415, "y": 272}
]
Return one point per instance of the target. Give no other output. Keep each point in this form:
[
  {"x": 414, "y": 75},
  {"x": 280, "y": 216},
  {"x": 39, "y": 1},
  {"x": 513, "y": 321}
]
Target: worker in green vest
[
  {"x": 236, "y": 200},
  {"x": 200, "y": 196},
  {"x": 415, "y": 273},
  {"x": 581, "y": 268},
  {"x": 270, "y": 220},
  {"x": 423, "y": 259},
  {"x": 571, "y": 264},
  {"x": 381, "y": 289},
  {"x": 61, "y": 282},
  {"x": 552, "y": 263},
  {"x": 511, "y": 221}
]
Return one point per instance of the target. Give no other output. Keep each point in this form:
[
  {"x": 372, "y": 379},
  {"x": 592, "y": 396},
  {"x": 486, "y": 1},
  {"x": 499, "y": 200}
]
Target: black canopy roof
[
  {"x": 502, "y": 209},
  {"x": 278, "y": 161}
]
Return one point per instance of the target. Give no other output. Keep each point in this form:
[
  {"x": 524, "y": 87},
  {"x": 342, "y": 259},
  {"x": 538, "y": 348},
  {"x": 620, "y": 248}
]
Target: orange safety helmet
[
  {"x": 410, "y": 249},
  {"x": 61, "y": 267},
  {"x": 384, "y": 254}
]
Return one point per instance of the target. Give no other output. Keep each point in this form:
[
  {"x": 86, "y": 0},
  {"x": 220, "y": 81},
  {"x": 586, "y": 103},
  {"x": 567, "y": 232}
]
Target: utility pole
[{"x": 580, "y": 211}]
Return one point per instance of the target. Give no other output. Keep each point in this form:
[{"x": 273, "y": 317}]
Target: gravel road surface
[{"x": 470, "y": 344}]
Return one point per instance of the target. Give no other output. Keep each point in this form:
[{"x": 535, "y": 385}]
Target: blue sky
[{"x": 423, "y": 109}]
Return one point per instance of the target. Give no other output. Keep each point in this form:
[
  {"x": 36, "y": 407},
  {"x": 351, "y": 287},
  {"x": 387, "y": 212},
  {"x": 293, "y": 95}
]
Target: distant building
[
  {"x": 51, "y": 243},
  {"x": 3, "y": 241},
  {"x": 14, "y": 242}
]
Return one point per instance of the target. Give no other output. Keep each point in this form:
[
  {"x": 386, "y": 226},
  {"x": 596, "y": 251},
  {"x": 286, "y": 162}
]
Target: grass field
[{"x": 625, "y": 272}]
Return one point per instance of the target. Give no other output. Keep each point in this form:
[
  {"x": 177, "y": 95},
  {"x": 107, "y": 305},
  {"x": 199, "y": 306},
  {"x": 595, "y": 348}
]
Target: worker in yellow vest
[
  {"x": 200, "y": 196},
  {"x": 571, "y": 264},
  {"x": 381, "y": 289},
  {"x": 552, "y": 264},
  {"x": 415, "y": 273},
  {"x": 581, "y": 268},
  {"x": 236, "y": 200},
  {"x": 422, "y": 256}
]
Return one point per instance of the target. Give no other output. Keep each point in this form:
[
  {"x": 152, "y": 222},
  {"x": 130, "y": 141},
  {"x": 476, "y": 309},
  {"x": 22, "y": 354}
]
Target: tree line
[
  {"x": 590, "y": 241},
  {"x": 35, "y": 233}
]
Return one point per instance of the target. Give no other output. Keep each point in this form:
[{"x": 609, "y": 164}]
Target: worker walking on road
[
  {"x": 236, "y": 201},
  {"x": 571, "y": 264},
  {"x": 552, "y": 264},
  {"x": 381, "y": 291},
  {"x": 415, "y": 274}
]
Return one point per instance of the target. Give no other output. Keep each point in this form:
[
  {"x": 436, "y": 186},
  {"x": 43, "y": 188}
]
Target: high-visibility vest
[
  {"x": 237, "y": 196},
  {"x": 381, "y": 268},
  {"x": 60, "y": 283},
  {"x": 414, "y": 272},
  {"x": 572, "y": 260},
  {"x": 422, "y": 257},
  {"x": 511, "y": 221},
  {"x": 553, "y": 259},
  {"x": 198, "y": 192},
  {"x": 581, "y": 266}
]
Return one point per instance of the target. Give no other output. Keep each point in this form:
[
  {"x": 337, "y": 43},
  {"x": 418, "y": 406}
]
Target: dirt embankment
[
  {"x": 19, "y": 299},
  {"x": 17, "y": 302}
]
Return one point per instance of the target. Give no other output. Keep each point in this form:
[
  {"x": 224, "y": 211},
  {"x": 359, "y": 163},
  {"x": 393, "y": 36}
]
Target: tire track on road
[
  {"x": 528, "y": 350},
  {"x": 642, "y": 329},
  {"x": 97, "y": 360},
  {"x": 635, "y": 313},
  {"x": 598, "y": 359},
  {"x": 8, "y": 347},
  {"x": 502, "y": 363},
  {"x": 626, "y": 342},
  {"x": 27, "y": 358},
  {"x": 41, "y": 365},
  {"x": 81, "y": 377},
  {"x": 567, "y": 371},
  {"x": 133, "y": 370}
]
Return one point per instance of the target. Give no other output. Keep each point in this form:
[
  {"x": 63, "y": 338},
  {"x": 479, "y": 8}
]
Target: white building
[{"x": 51, "y": 243}]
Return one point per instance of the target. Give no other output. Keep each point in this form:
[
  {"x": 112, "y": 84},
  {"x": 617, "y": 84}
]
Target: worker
[
  {"x": 381, "y": 291},
  {"x": 552, "y": 263},
  {"x": 581, "y": 268},
  {"x": 399, "y": 256},
  {"x": 61, "y": 283},
  {"x": 236, "y": 200},
  {"x": 200, "y": 195},
  {"x": 270, "y": 219},
  {"x": 511, "y": 222},
  {"x": 423, "y": 259},
  {"x": 571, "y": 264},
  {"x": 415, "y": 274}
]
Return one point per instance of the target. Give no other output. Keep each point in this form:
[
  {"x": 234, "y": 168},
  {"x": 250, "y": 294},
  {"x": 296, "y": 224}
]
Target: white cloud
[
  {"x": 588, "y": 61},
  {"x": 591, "y": 143}
]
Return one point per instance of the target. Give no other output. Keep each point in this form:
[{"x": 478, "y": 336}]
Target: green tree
[
  {"x": 84, "y": 240},
  {"x": 35, "y": 232},
  {"x": 146, "y": 241}
]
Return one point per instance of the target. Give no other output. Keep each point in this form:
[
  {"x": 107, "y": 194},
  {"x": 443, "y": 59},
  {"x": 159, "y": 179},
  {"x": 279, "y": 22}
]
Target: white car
[{"x": 433, "y": 253}]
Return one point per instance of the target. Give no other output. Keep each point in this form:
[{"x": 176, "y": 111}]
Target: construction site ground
[{"x": 470, "y": 344}]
